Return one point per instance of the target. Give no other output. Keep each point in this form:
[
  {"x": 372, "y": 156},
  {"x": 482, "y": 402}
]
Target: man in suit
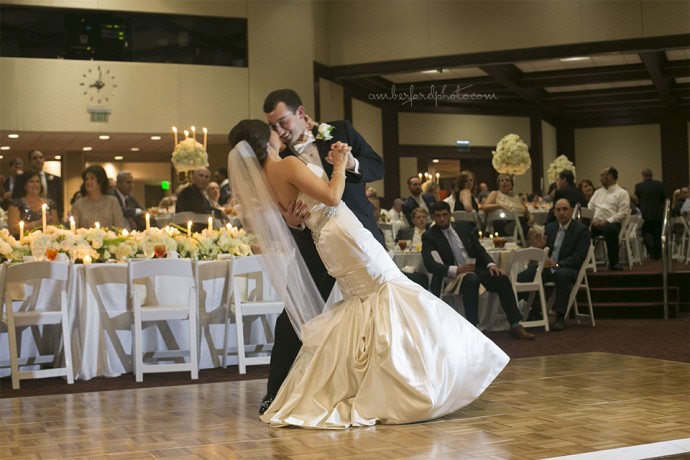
[
  {"x": 568, "y": 241},
  {"x": 566, "y": 188},
  {"x": 51, "y": 185},
  {"x": 193, "y": 198},
  {"x": 414, "y": 234},
  {"x": 417, "y": 199},
  {"x": 221, "y": 177},
  {"x": 16, "y": 168},
  {"x": 652, "y": 198},
  {"x": 286, "y": 115},
  {"x": 132, "y": 211},
  {"x": 456, "y": 244}
]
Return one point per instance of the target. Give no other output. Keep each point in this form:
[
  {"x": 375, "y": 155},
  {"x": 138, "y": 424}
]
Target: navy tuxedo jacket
[
  {"x": 575, "y": 244},
  {"x": 434, "y": 240}
]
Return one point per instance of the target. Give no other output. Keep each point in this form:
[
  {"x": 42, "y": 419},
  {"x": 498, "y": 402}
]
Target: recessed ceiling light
[
  {"x": 433, "y": 71},
  {"x": 5, "y": 147},
  {"x": 118, "y": 157},
  {"x": 58, "y": 157},
  {"x": 13, "y": 136},
  {"x": 155, "y": 138},
  {"x": 104, "y": 137},
  {"x": 87, "y": 149},
  {"x": 575, "y": 58},
  {"x": 134, "y": 149},
  {"x": 1, "y": 157},
  {"x": 462, "y": 142},
  {"x": 435, "y": 160}
]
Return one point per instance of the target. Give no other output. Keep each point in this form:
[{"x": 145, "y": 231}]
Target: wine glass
[
  {"x": 159, "y": 250},
  {"x": 51, "y": 254},
  {"x": 148, "y": 250}
]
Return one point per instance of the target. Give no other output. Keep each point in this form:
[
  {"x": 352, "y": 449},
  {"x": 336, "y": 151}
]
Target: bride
[{"x": 389, "y": 352}]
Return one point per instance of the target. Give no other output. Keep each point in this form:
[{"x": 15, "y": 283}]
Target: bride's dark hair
[{"x": 256, "y": 133}]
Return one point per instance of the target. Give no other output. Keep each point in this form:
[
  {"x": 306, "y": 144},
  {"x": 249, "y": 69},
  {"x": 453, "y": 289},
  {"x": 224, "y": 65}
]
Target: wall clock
[{"x": 99, "y": 85}]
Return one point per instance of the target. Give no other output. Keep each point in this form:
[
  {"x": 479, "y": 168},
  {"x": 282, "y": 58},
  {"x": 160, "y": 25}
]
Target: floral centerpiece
[
  {"x": 561, "y": 163},
  {"x": 511, "y": 156},
  {"x": 189, "y": 155},
  {"x": 102, "y": 244}
]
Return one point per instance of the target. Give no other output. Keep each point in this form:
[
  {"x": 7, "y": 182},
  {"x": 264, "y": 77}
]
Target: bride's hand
[
  {"x": 340, "y": 154},
  {"x": 311, "y": 124}
]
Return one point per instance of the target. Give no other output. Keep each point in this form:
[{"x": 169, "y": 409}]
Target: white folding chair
[
  {"x": 105, "y": 283},
  {"x": 214, "y": 293},
  {"x": 252, "y": 296},
  {"x": 42, "y": 289},
  {"x": 631, "y": 241},
  {"x": 507, "y": 216},
  {"x": 388, "y": 236},
  {"x": 586, "y": 216},
  {"x": 581, "y": 283},
  {"x": 600, "y": 245},
  {"x": 680, "y": 243},
  {"x": 160, "y": 273},
  {"x": 464, "y": 216},
  {"x": 518, "y": 262}
]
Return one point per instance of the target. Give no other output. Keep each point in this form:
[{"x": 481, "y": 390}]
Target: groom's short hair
[{"x": 286, "y": 96}]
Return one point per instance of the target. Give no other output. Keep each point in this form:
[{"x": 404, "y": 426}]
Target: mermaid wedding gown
[{"x": 389, "y": 352}]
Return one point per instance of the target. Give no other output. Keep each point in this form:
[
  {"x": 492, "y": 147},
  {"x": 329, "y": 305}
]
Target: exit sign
[{"x": 99, "y": 114}]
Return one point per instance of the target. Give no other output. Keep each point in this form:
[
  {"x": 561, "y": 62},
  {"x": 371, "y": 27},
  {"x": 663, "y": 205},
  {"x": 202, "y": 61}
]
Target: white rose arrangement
[
  {"x": 189, "y": 155},
  {"x": 511, "y": 156},
  {"x": 561, "y": 163}
]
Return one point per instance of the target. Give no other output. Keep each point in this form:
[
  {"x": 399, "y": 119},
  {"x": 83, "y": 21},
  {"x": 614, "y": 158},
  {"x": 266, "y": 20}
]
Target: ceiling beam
[
  {"x": 653, "y": 62},
  {"x": 509, "y": 76},
  {"x": 585, "y": 76}
]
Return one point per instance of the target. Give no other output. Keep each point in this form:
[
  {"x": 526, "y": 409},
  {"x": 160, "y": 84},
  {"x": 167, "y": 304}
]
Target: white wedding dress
[{"x": 389, "y": 352}]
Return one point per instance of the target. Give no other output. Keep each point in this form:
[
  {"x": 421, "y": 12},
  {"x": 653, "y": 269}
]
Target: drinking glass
[
  {"x": 402, "y": 244},
  {"x": 51, "y": 253},
  {"x": 159, "y": 250},
  {"x": 148, "y": 250}
]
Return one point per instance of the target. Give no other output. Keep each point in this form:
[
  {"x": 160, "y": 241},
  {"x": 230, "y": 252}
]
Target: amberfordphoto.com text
[{"x": 411, "y": 96}]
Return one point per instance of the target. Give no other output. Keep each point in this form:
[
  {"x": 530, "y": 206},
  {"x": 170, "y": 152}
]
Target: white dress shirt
[{"x": 610, "y": 204}]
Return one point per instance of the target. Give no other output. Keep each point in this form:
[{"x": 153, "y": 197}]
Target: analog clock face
[{"x": 98, "y": 85}]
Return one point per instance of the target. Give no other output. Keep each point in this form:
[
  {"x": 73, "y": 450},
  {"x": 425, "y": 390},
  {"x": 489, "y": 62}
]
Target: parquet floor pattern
[{"x": 537, "y": 408}]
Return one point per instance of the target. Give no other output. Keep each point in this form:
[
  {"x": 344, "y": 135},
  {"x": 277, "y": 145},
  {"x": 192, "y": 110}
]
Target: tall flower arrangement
[
  {"x": 189, "y": 155},
  {"x": 561, "y": 163},
  {"x": 511, "y": 156}
]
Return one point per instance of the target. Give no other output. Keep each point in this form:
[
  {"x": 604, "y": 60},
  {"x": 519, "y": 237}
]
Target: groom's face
[{"x": 289, "y": 124}]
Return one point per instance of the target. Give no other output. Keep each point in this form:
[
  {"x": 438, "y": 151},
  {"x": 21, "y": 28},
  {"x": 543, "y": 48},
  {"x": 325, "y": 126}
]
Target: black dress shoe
[
  {"x": 616, "y": 268},
  {"x": 265, "y": 403},
  {"x": 559, "y": 324}
]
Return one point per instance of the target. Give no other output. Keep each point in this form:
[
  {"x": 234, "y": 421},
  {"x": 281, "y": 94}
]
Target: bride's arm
[{"x": 328, "y": 193}]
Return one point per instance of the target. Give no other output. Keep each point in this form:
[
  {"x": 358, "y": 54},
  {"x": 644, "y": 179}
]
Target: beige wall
[
  {"x": 629, "y": 148},
  {"x": 549, "y": 151},
  {"x": 331, "y": 96},
  {"x": 366, "y": 119},
  {"x": 411, "y": 29}
]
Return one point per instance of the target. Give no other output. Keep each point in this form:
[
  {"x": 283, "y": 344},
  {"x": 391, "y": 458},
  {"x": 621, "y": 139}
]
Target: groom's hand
[
  {"x": 295, "y": 214},
  {"x": 340, "y": 148}
]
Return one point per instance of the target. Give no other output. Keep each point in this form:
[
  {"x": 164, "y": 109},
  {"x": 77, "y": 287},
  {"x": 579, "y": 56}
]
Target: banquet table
[{"x": 100, "y": 322}]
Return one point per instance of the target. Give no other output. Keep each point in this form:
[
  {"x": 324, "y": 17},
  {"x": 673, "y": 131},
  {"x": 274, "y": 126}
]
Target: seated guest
[
  {"x": 587, "y": 188},
  {"x": 214, "y": 195},
  {"x": 396, "y": 214},
  {"x": 416, "y": 199},
  {"x": 568, "y": 241},
  {"x": 27, "y": 205},
  {"x": 462, "y": 198},
  {"x": 611, "y": 206},
  {"x": 414, "y": 234},
  {"x": 565, "y": 188},
  {"x": 221, "y": 178},
  {"x": 193, "y": 198},
  {"x": 96, "y": 205},
  {"x": 504, "y": 198},
  {"x": 456, "y": 244},
  {"x": 132, "y": 211},
  {"x": 16, "y": 168}
]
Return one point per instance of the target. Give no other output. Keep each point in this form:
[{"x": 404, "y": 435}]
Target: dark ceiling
[{"x": 586, "y": 84}]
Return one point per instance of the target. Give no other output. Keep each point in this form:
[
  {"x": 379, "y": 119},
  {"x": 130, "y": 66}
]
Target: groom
[{"x": 286, "y": 116}]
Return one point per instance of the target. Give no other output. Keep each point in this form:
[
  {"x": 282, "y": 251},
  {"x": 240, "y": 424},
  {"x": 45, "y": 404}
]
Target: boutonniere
[{"x": 324, "y": 132}]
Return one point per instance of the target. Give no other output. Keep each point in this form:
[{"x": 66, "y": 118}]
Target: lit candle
[
  {"x": 21, "y": 231},
  {"x": 189, "y": 228},
  {"x": 186, "y": 134},
  {"x": 205, "y": 135},
  {"x": 44, "y": 208},
  {"x": 125, "y": 232},
  {"x": 420, "y": 176},
  {"x": 72, "y": 225},
  {"x": 175, "y": 135},
  {"x": 228, "y": 226},
  {"x": 210, "y": 223},
  {"x": 97, "y": 224},
  {"x": 148, "y": 221},
  {"x": 193, "y": 132},
  {"x": 169, "y": 230},
  {"x": 438, "y": 176},
  {"x": 87, "y": 260},
  {"x": 480, "y": 234}
]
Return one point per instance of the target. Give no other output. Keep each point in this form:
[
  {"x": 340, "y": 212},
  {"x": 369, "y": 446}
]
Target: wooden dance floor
[{"x": 537, "y": 408}]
